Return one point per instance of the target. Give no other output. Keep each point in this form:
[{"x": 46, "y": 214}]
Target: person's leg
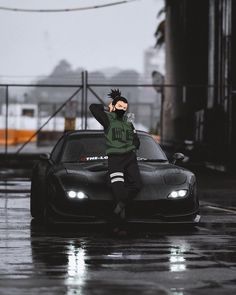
[
  {"x": 132, "y": 185},
  {"x": 116, "y": 178},
  {"x": 133, "y": 181}
]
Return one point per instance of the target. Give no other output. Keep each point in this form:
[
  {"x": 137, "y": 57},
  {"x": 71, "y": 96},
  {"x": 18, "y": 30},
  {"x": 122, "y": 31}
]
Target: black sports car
[{"x": 71, "y": 184}]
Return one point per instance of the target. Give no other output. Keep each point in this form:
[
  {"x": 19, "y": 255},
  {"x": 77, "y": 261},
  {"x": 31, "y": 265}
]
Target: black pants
[{"x": 124, "y": 176}]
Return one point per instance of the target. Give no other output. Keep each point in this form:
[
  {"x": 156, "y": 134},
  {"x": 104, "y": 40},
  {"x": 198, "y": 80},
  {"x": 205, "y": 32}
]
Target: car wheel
[{"x": 37, "y": 199}]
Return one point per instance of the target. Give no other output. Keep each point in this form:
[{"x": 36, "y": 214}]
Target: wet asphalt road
[{"x": 173, "y": 260}]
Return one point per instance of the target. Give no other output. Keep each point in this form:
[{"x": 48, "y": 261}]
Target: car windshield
[{"x": 92, "y": 148}]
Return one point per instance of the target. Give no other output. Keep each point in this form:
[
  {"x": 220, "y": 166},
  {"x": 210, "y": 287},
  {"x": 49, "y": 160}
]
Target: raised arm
[{"x": 98, "y": 111}]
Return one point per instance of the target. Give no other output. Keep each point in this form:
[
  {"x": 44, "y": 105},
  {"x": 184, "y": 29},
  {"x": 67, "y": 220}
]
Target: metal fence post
[
  {"x": 6, "y": 121},
  {"x": 85, "y": 99},
  {"x": 82, "y": 102}
]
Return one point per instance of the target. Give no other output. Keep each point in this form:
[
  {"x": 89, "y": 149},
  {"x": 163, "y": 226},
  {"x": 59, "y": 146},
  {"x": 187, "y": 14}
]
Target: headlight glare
[
  {"x": 174, "y": 195},
  {"x": 182, "y": 193},
  {"x": 178, "y": 194},
  {"x": 81, "y": 195},
  {"x": 72, "y": 194}
]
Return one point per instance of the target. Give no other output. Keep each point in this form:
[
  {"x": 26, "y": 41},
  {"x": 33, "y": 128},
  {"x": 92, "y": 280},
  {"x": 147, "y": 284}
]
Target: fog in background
[
  {"x": 32, "y": 44},
  {"x": 114, "y": 44}
]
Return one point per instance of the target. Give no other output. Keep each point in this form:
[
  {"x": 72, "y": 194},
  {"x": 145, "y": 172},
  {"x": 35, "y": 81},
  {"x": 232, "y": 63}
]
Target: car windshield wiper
[{"x": 153, "y": 160}]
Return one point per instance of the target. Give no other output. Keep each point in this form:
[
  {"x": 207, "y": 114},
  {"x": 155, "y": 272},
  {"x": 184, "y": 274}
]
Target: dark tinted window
[
  {"x": 149, "y": 149},
  {"x": 80, "y": 148},
  {"x": 92, "y": 147}
]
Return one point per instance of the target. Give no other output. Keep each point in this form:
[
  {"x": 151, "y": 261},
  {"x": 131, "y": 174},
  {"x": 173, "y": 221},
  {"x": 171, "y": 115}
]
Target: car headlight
[
  {"x": 177, "y": 194},
  {"x": 77, "y": 194}
]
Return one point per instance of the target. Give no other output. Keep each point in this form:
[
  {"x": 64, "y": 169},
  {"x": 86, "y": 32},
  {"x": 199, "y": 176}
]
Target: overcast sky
[{"x": 33, "y": 43}]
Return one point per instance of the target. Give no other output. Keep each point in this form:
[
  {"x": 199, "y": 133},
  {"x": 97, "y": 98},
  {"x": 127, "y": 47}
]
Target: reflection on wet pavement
[{"x": 62, "y": 260}]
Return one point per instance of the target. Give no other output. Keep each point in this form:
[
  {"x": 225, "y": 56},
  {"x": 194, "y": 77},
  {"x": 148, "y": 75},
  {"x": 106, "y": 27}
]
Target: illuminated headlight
[
  {"x": 178, "y": 194},
  {"x": 72, "y": 194},
  {"x": 81, "y": 195},
  {"x": 75, "y": 194}
]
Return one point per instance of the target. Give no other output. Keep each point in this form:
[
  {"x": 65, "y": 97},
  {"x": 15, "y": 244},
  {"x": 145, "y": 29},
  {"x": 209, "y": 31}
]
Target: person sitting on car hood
[{"x": 121, "y": 144}]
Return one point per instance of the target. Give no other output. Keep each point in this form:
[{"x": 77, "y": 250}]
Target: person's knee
[{"x": 117, "y": 176}]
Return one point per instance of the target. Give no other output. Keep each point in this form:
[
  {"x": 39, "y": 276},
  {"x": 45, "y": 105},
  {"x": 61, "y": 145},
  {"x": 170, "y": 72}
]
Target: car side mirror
[
  {"x": 45, "y": 156},
  {"x": 177, "y": 156}
]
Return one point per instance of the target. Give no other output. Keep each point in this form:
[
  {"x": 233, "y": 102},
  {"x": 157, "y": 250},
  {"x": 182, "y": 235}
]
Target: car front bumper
[{"x": 102, "y": 215}]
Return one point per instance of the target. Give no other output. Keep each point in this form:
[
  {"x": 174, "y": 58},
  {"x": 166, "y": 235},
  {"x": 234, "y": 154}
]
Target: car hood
[
  {"x": 157, "y": 178},
  {"x": 169, "y": 173}
]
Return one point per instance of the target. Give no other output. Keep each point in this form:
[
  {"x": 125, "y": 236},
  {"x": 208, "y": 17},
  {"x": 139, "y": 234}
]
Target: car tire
[{"x": 37, "y": 199}]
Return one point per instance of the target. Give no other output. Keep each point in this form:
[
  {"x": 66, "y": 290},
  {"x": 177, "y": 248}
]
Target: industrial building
[{"x": 200, "y": 93}]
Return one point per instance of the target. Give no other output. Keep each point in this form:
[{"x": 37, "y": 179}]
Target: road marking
[{"x": 221, "y": 209}]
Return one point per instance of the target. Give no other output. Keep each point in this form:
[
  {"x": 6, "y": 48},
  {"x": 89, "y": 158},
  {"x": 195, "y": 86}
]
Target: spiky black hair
[{"x": 114, "y": 93}]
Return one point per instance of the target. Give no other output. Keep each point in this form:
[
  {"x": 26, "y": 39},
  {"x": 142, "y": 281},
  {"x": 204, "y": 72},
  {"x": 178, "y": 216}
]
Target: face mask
[{"x": 120, "y": 113}]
